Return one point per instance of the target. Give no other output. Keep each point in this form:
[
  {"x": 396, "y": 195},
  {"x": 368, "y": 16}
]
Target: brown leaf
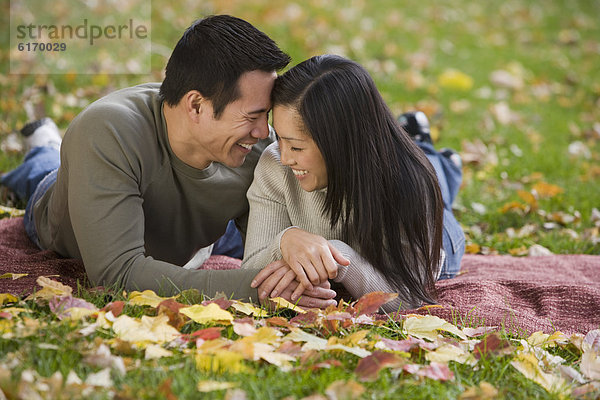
[
  {"x": 491, "y": 344},
  {"x": 484, "y": 391},
  {"x": 116, "y": 307},
  {"x": 370, "y": 302},
  {"x": 170, "y": 308},
  {"x": 221, "y": 302},
  {"x": 368, "y": 368},
  {"x": 344, "y": 390},
  {"x": 165, "y": 389}
]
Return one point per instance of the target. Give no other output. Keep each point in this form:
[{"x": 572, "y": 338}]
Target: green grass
[{"x": 48, "y": 348}]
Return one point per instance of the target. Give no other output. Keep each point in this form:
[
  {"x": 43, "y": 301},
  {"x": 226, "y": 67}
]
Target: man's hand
[
  {"x": 278, "y": 279},
  {"x": 312, "y": 258}
]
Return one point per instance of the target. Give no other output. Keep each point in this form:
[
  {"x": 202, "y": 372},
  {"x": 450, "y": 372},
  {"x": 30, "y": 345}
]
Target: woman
[{"x": 345, "y": 193}]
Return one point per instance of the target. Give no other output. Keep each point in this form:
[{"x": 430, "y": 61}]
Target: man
[{"x": 150, "y": 174}]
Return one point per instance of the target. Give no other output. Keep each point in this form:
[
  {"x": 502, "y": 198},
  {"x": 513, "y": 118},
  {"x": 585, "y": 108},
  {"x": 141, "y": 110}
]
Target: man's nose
[{"x": 261, "y": 130}]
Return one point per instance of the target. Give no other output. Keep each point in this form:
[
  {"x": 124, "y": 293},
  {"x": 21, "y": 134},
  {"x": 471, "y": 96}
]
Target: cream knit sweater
[{"x": 277, "y": 202}]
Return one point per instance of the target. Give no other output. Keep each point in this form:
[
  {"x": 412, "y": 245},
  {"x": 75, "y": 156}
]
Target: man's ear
[{"x": 193, "y": 101}]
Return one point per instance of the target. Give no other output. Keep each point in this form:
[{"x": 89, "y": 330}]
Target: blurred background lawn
[{"x": 514, "y": 86}]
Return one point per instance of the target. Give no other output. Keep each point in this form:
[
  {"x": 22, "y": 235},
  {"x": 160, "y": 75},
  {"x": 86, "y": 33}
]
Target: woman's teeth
[{"x": 299, "y": 172}]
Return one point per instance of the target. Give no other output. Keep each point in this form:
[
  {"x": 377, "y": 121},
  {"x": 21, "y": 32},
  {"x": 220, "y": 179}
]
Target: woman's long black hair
[{"x": 380, "y": 184}]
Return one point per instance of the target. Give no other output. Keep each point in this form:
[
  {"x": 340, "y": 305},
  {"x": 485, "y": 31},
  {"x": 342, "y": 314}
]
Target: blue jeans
[
  {"x": 31, "y": 180},
  {"x": 453, "y": 238}
]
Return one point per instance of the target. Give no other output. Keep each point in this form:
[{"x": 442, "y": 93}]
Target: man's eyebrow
[{"x": 262, "y": 110}]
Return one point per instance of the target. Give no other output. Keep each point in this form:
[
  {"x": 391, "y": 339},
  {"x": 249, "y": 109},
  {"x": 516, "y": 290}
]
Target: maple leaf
[
  {"x": 221, "y": 362},
  {"x": 484, "y": 391},
  {"x": 50, "y": 289},
  {"x": 155, "y": 351},
  {"x": 116, "y": 308},
  {"x": 449, "y": 352},
  {"x": 267, "y": 352},
  {"x": 221, "y": 302},
  {"x": 428, "y": 325},
  {"x": 7, "y": 298},
  {"x": 280, "y": 302},
  {"x": 435, "y": 371},
  {"x": 148, "y": 329},
  {"x": 528, "y": 365},
  {"x": 171, "y": 308},
  {"x": 590, "y": 365},
  {"x": 405, "y": 345},
  {"x": 11, "y": 275},
  {"x": 147, "y": 298},
  {"x": 370, "y": 302},
  {"x": 207, "y": 314},
  {"x": 211, "y": 386},
  {"x": 344, "y": 390},
  {"x": 544, "y": 189},
  {"x": 492, "y": 344},
  {"x": 67, "y": 306},
  {"x": 249, "y": 309},
  {"x": 368, "y": 368}
]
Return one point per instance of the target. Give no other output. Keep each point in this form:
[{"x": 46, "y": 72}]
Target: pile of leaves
[{"x": 56, "y": 345}]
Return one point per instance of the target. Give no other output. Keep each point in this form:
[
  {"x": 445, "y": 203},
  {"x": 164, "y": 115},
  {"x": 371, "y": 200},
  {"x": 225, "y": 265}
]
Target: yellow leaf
[
  {"x": 206, "y": 314},
  {"x": 428, "y": 325},
  {"x": 14, "y": 311},
  {"x": 448, "y": 352},
  {"x": 518, "y": 251},
  {"x": 590, "y": 365},
  {"x": 78, "y": 313},
  {"x": 211, "y": 386},
  {"x": 541, "y": 339},
  {"x": 528, "y": 198},
  {"x": 223, "y": 361},
  {"x": 50, "y": 289},
  {"x": 472, "y": 248},
  {"x": 455, "y": 79},
  {"x": 544, "y": 189},
  {"x": 148, "y": 329},
  {"x": 11, "y": 275},
  {"x": 267, "y": 352},
  {"x": 484, "y": 391},
  {"x": 528, "y": 365},
  {"x": 283, "y": 303},
  {"x": 7, "y": 298},
  {"x": 350, "y": 340},
  {"x": 147, "y": 298},
  {"x": 155, "y": 351},
  {"x": 249, "y": 309}
]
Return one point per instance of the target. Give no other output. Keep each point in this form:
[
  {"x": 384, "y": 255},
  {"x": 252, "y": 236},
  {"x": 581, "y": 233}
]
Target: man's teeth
[
  {"x": 299, "y": 172},
  {"x": 246, "y": 146}
]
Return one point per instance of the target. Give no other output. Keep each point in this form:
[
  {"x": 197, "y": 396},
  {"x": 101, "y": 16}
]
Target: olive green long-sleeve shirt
[{"x": 131, "y": 210}]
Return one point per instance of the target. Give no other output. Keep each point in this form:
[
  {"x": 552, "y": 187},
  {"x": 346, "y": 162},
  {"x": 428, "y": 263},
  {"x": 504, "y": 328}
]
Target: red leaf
[
  {"x": 204, "y": 334},
  {"x": 308, "y": 319},
  {"x": 370, "y": 302},
  {"x": 491, "y": 344},
  {"x": 221, "y": 302},
  {"x": 368, "y": 367},
  {"x": 171, "y": 308},
  {"x": 116, "y": 307},
  {"x": 407, "y": 344}
]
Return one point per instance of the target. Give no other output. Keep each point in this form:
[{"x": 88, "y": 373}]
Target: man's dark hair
[{"x": 211, "y": 56}]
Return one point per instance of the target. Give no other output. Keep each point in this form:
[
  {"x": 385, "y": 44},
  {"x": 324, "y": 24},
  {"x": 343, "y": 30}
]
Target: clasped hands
[{"x": 302, "y": 275}]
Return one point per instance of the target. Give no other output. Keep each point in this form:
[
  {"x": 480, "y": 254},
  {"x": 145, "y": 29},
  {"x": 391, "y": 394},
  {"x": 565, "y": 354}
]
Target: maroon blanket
[{"x": 523, "y": 295}]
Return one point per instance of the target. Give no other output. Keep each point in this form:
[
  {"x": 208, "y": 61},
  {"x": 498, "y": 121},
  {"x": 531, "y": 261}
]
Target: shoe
[
  {"x": 42, "y": 133},
  {"x": 452, "y": 156},
  {"x": 416, "y": 125}
]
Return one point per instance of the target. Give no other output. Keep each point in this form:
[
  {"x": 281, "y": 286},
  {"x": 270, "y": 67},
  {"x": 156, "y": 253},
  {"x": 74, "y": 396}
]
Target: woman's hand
[
  {"x": 278, "y": 279},
  {"x": 312, "y": 258}
]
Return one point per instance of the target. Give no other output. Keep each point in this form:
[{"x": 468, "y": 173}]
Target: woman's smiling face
[{"x": 298, "y": 150}]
